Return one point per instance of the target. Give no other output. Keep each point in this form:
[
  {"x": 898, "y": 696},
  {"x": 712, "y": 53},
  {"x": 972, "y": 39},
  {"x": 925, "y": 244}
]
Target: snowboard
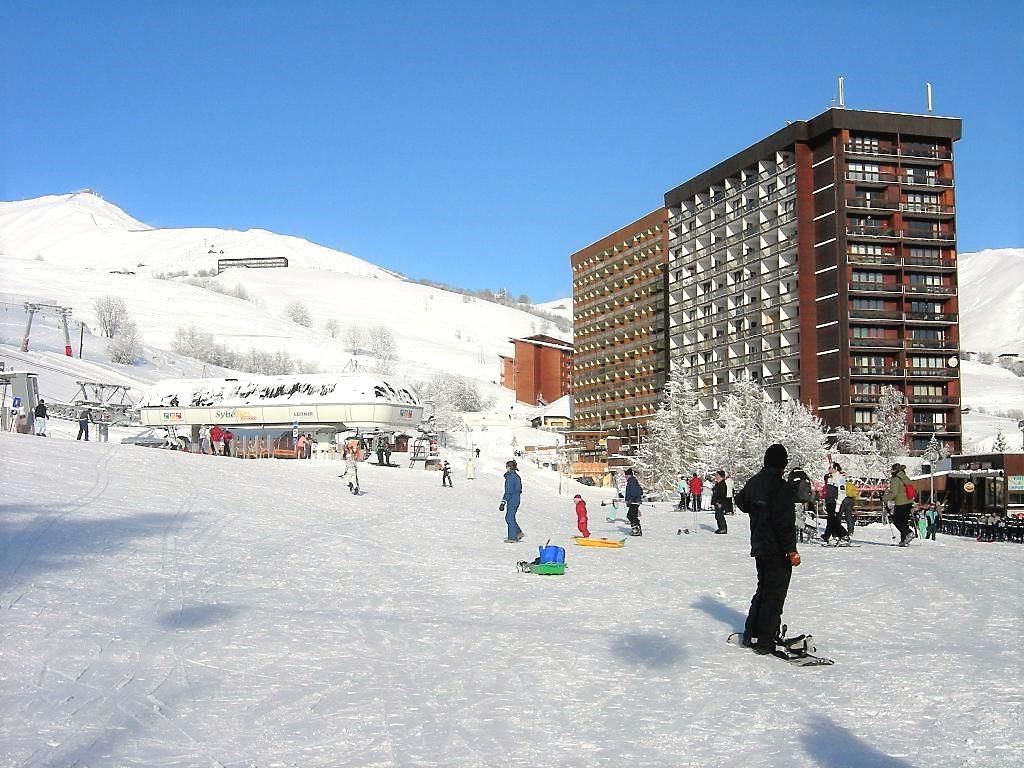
[
  {"x": 830, "y": 545},
  {"x": 611, "y": 543},
  {"x": 798, "y": 651}
]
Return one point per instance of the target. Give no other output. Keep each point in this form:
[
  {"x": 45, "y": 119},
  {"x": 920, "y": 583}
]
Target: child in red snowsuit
[{"x": 581, "y": 516}]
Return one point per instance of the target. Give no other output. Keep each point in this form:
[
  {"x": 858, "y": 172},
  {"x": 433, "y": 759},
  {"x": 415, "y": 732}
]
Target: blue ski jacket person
[{"x": 510, "y": 501}]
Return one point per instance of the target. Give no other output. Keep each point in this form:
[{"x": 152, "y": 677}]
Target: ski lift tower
[{"x": 32, "y": 307}]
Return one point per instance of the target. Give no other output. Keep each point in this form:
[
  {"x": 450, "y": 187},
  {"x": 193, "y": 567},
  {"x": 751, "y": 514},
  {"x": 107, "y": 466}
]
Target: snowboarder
[
  {"x": 510, "y": 502},
  {"x": 379, "y": 445},
  {"x": 84, "y": 417},
  {"x": 470, "y": 468},
  {"x": 40, "y": 418},
  {"x": 902, "y": 503},
  {"x": 446, "y": 475},
  {"x": 634, "y": 496},
  {"x": 581, "y": 516},
  {"x": 768, "y": 500},
  {"x": 718, "y": 501},
  {"x": 477, "y": 451},
  {"x": 696, "y": 489}
]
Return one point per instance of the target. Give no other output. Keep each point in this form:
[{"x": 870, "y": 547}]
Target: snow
[
  {"x": 255, "y": 615},
  {"x": 991, "y": 286}
]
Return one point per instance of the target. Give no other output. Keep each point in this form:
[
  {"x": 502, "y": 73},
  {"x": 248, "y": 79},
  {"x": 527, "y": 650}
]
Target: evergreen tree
[{"x": 1000, "y": 444}]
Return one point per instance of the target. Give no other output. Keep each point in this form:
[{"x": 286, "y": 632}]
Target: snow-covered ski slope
[
  {"x": 992, "y": 300},
  {"x": 258, "y": 615},
  {"x": 68, "y": 249}
]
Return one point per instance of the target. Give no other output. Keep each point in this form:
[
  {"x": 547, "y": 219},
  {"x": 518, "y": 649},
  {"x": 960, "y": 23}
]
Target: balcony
[
  {"x": 875, "y": 287},
  {"x": 934, "y": 290},
  {"x": 872, "y": 230},
  {"x": 930, "y": 317},
  {"x": 781, "y": 380},
  {"x": 862, "y": 398},
  {"x": 926, "y": 234},
  {"x": 934, "y": 373},
  {"x": 871, "y": 177},
  {"x": 875, "y": 314},
  {"x": 942, "y": 344},
  {"x": 927, "y": 209},
  {"x": 925, "y": 152},
  {"x": 926, "y": 426},
  {"x": 932, "y": 400},
  {"x": 872, "y": 203},
  {"x": 871, "y": 150},
  {"x": 874, "y": 259},
  {"x": 929, "y": 261},
  {"x": 875, "y": 370},
  {"x": 925, "y": 181},
  {"x": 883, "y": 343}
]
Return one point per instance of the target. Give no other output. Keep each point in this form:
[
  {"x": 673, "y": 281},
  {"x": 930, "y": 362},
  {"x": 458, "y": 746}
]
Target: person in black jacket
[
  {"x": 768, "y": 499},
  {"x": 40, "y": 418},
  {"x": 718, "y": 501}
]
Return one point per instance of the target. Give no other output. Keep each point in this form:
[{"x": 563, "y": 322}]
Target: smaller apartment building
[{"x": 539, "y": 371}]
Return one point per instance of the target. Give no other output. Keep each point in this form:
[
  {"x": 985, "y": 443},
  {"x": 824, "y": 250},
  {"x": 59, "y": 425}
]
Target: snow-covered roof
[
  {"x": 300, "y": 389},
  {"x": 561, "y": 408}
]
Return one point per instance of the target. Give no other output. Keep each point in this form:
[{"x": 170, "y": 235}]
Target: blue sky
[{"x": 476, "y": 143}]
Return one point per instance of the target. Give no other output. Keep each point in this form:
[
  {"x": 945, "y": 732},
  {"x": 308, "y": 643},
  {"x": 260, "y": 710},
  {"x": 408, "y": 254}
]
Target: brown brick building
[
  {"x": 821, "y": 262},
  {"x": 539, "y": 371},
  {"x": 620, "y": 329}
]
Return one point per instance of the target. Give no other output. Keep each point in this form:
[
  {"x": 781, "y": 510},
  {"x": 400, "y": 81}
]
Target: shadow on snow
[
  {"x": 645, "y": 649},
  {"x": 832, "y": 746}
]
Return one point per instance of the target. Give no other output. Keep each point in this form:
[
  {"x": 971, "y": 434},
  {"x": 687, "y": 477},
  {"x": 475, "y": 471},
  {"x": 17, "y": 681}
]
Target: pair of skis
[{"x": 798, "y": 651}]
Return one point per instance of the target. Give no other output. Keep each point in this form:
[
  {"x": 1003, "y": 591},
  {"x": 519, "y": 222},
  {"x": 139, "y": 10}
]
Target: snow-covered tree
[
  {"x": 297, "y": 312},
  {"x": 111, "y": 312},
  {"x": 1000, "y": 444},
  {"x": 889, "y": 431},
  {"x": 452, "y": 396},
  {"x": 332, "y": 327},
  {"x": 125, "y": 347},
  {"x": 748, "y": 422},
  {"x": 384, "y": 348},
  {"x": 355, "y": 338},
  {"x": 671, "y": 447}
]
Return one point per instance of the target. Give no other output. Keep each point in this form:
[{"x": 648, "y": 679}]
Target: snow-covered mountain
[
  {"x": 72, "y": 249},
  {"x": 992, "y": 300}
]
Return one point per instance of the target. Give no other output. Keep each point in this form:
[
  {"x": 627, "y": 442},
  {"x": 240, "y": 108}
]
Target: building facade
[
  {"x": 620, "y": 329},
  {"x": 821, "y": 262},
  {"x": 540, "y": 370}
]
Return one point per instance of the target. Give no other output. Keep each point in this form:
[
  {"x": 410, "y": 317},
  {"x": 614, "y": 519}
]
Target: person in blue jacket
[
  {"x": 510, "y": 502},
  {"x": 634, "y": 496}
]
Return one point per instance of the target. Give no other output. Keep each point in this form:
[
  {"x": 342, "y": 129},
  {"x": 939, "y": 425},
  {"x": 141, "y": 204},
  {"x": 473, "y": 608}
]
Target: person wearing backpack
[
  {"x": 902, "y": 502},
  {"x": 846, "y": 508}
]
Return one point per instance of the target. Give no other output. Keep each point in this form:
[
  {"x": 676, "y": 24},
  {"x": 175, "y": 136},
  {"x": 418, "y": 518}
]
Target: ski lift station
[{"x": 314, "y": 402}]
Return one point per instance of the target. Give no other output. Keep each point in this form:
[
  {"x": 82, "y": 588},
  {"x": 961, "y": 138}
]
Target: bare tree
[
  {"x": 333, "y": 328},
  {"x": 111, "y": 312},
  {"x": 297, "y": 312}
]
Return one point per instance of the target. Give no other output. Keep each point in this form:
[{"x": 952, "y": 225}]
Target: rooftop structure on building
[{"x": 821, "y": 262}]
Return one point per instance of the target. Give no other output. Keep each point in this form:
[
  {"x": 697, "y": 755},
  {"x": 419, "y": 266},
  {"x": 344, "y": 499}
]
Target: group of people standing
[{"x": 215, "y": 440}]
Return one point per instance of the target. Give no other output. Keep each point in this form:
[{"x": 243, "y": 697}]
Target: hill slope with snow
[{"x": 992, "y": 300}]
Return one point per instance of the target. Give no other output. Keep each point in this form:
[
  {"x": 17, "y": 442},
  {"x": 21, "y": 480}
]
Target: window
[
  {"x": 863, "y": 388},
  {"x": 921, "y": 202},
  {"x": 928, "y": 334},
  {"x": 865, "y": 276},
  {"x": 926, "y": 279},
  {"x": 864, "y": 249},
  {"x": 927, "y": 176},
  {"x": 927, "y": 362},
  {"x": 864, "y": 144},
  {"x": 862, "y": 417},
  {"x": 928, "y": 390},
  {"x": 871, "y": 332},
  {"x": 867, "y": 304},
  {"x": 869, "y": 361},
  {"x": 862, "y": 171},
  {"x": 923, "y": 253},
  {"x": 926, "y": 307}
]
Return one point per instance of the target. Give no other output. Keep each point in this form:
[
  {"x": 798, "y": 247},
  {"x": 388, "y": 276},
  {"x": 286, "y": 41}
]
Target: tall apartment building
[
  {"x": 821, "y": 262},
  {"x": 539, "y": 371},
  {"x": 619, "y": 329}
]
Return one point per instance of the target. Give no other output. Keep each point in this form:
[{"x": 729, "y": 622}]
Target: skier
[
  {"x": 204, "y": 439},
  {"x": 897, "y": 495},
  {"x": 696, "y": 489},
  {"x": 351, "y": 469},
  {"x": 510, "y": 502},
  {"x": 718, "y": 501},
  {"x": 84, "y": 417},
  {"x": 40, "y": 418},
  {"x": 470, "y": 468},
  {"x": 581, "y": 516},
  {"x": 446, "y": 475},
  {"x": 684, "y": 492},
  {"x": 634, "y": 496},
  {"x": 768, "y": 500}
]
